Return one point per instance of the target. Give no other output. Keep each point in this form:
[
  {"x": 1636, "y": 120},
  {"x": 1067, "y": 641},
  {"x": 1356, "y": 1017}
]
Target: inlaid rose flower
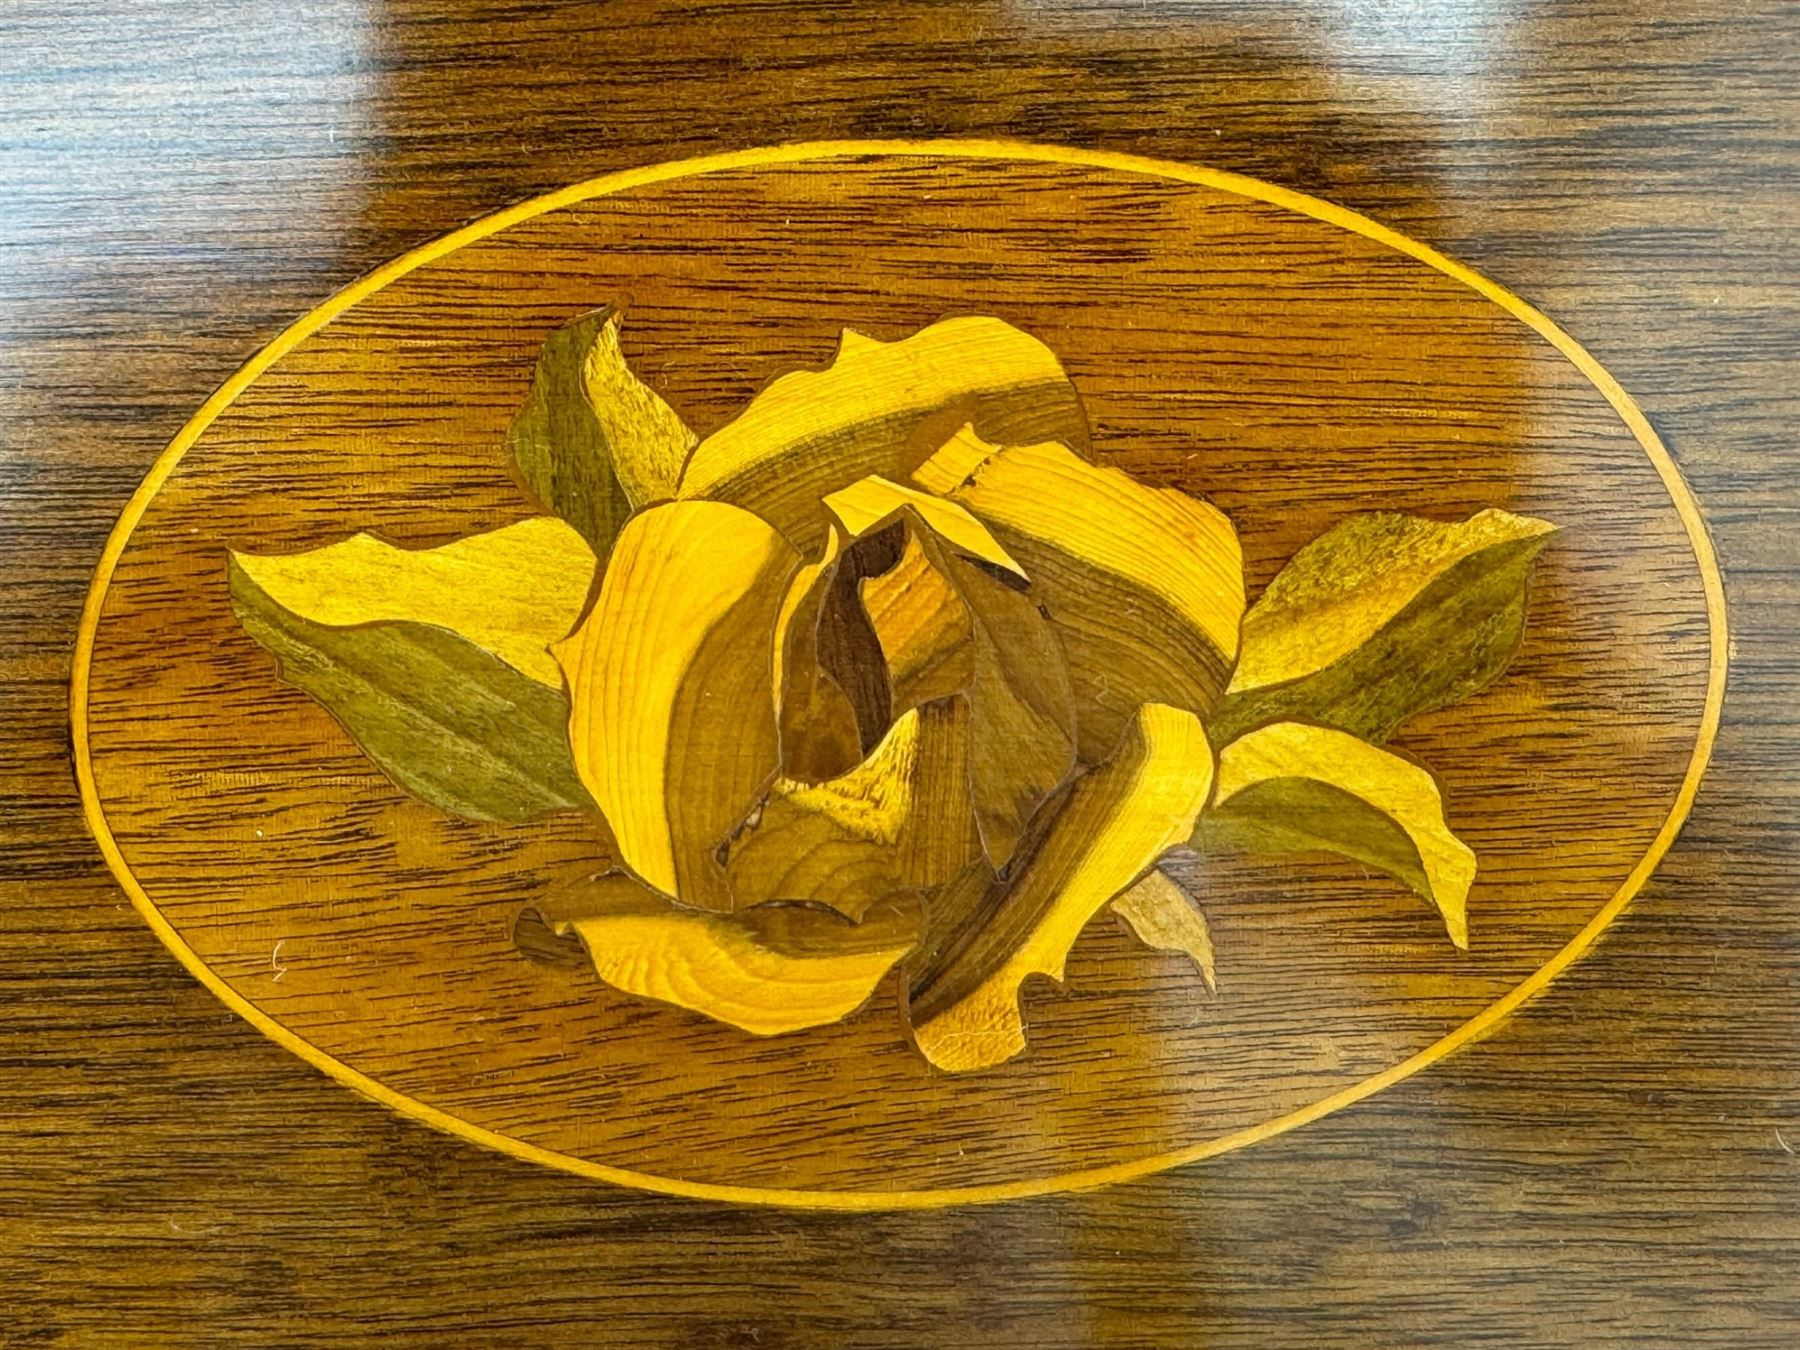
[{"x": 892, "y": 670}]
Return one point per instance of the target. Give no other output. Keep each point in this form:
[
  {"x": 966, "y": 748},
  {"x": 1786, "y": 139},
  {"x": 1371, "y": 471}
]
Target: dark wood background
[{"x": 1619, "y": 1164}]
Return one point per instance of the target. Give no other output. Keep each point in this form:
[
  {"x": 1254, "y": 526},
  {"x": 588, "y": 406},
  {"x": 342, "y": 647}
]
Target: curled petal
[
  {"x": 923, "y": 628},
  {"x": 820, "y": 728},
  {"x": 957, "y": 627},
  {"x": 768, "y": 970},
  {"x": 1022, "y": 733},
  {"x": 1115, "y": 822},
  {"x": 813, "y": 432},
  {"x": 833, "y": 694},
  {"x": 1143, "y": 585},
  {"x": 672, "y": 721},
  {"x": 867, "y": 504}
]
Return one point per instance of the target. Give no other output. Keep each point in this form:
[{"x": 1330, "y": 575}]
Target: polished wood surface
[
  {"x": 1288, "y": 370},
  {"x": 1615, "y": 1163}
]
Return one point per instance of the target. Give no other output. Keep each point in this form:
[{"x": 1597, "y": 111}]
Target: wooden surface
[
  {"x": 1614, "y": 1164},
  {"x": 1289, "y": 370}
]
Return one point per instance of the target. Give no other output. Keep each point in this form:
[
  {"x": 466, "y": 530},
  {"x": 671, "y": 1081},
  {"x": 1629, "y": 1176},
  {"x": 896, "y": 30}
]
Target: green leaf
[
  {"x": 1383, "y": 617},
  {"x": 593, "y": 442},
  {"x": 436, "y": 660},
  {"x": 449, "y": 722},
  {"x": 1292, "y": 788}
]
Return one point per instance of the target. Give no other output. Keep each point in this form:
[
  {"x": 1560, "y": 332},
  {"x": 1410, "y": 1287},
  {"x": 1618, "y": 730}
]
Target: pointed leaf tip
[
  {"x": 1381, "y": 618},
  {"x": 1162, "y": 915},
  {"x": 510, "y": 591},
  {"x": 1291, "y": 787}
]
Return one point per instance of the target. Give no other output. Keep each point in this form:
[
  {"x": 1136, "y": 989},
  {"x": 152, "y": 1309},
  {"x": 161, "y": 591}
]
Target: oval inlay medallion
[{"x": 1292, "y": 364}]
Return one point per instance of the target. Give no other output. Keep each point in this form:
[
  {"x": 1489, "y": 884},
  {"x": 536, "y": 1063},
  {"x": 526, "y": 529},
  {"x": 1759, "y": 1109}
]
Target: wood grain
[{"x": 1610, "y": 1167}]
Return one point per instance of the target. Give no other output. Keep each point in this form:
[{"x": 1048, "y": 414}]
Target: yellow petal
[
  {"x": 799, "y": 608},
  {"x": 1291, "y": 787},
  {"x": 899, "y": 820},
  {"x": 769, "y": 970},
  {"x": 865, "y": 505},
  {"x": 1164, "y": 916},
  {"x": 512, "y": 591},
  {"x": 672, "y": 720},
  {"x": 1115, "y": 823},
  {"x": 1144, "y": 585},
  {"x": 954, "y": 461},
  {"x": 815, "y": 431}
]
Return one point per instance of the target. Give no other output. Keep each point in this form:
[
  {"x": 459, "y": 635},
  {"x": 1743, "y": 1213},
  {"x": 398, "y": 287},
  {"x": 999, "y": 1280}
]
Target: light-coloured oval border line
[{"x": 1477, "y": 1026}]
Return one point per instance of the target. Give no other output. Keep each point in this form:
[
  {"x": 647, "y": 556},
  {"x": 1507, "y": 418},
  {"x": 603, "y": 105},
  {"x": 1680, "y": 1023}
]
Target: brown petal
[
  {"x": 923, "y": 628},
  {"x": 899, "y": 820},
  {"x": 1143, "y": 585}
]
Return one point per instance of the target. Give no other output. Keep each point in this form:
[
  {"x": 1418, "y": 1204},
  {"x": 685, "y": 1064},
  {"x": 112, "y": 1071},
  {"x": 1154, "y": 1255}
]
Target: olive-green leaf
[
  {"x": 1383, "y": 617},
  {"x": 593, "y": 442},
  {"x": 511, "y": 591},
  {"x": 448, "y": 721},
  {"x": 1162, "y": 915},
  {"x": 1292, "y": 788}
]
